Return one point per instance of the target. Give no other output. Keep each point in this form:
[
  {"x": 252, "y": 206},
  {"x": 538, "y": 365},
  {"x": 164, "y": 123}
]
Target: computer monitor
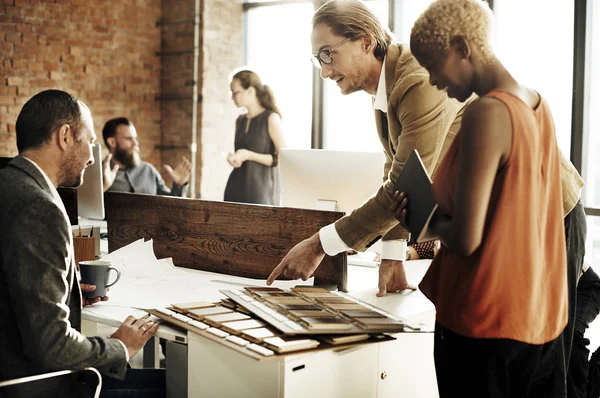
[
  {"x": 90, "y": 195},
  {"x": 331, "y": 180},
  {"x": 314, "y": 178}
]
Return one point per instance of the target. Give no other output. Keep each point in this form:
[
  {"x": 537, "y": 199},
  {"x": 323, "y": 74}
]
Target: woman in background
[
  {"x": 499, "y": 280},
  {"x": 258, "y": 139}
]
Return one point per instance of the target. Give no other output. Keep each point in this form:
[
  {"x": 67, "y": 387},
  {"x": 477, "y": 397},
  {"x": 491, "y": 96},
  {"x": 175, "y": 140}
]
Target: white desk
[{"x": 400, "y": 368}]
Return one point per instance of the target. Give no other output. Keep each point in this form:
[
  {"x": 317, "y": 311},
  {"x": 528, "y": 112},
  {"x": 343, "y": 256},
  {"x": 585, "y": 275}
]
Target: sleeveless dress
[
  {"x": 254, "y": 182},
  {"x": 515, "y": 284}
]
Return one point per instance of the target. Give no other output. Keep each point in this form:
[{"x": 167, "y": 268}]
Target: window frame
[{"x": 581, "y": 67}]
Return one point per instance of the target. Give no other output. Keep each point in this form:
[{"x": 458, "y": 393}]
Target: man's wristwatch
[{"x": 408, "y": 254}]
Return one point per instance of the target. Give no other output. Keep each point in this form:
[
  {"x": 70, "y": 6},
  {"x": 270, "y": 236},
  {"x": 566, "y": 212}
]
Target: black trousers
[
  {"x": 138, "y": 383},
  {"x": 496, "y": 368},
  {"x": 583, "y": 378},
  {"x": 575, "y": 234}
]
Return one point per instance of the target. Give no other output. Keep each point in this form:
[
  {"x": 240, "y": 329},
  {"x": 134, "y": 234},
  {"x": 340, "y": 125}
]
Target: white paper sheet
[{"x": 147, "y": 282}]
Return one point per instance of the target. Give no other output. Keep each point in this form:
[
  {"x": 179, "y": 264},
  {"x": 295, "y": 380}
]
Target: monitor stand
[{"x": 326, "y": 204}]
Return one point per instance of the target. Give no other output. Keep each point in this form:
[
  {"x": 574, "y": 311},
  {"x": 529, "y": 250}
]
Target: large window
[
  {"x": 282, "y": 60},
  {"x": 278, "y": 49},
  {"x": 406, "y": 13},
  {"x": 348, "y": 120},
  {"x": 591, "y": 136},
  {"x": 534, "y": 40}
]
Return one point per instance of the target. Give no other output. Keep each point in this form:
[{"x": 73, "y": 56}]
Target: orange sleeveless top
[{"x": 514, "y": 285}]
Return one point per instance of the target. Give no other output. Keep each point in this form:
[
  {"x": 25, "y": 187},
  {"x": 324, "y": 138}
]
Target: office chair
[{"x": 85, "y": 383}]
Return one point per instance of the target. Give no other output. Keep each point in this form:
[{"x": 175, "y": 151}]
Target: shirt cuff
[
  {"x": 126, "y": 350},
  {"x": 331, "y": 241},
  {"x": 393, "y": 250}
]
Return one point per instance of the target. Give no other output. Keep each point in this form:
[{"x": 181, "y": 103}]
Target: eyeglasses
[{"x": 326, "y": 56}]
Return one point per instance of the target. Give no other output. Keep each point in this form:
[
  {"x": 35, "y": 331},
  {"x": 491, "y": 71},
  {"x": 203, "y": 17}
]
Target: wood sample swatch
[
  {"x": 237, "y": 326},
  {"x": 289, "y": 344}
]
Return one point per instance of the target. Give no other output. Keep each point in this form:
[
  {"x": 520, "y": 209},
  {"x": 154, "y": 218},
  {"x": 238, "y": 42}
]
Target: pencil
[{"x": 145, "y": 316}]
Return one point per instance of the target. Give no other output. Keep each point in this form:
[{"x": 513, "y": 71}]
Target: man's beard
[
  {"x": 72, "y": 174},
  {"x": 129, "y": 160}
]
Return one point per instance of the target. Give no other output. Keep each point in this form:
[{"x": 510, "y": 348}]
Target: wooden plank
[{"x": 229, "y": 238}]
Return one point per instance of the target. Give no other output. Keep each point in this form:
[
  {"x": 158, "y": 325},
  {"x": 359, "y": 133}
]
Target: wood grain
[{"x": 230, "y": 238}]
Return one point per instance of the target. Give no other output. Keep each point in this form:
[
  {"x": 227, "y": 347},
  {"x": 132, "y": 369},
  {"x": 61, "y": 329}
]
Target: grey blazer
[{"x": 40, "y": 297}]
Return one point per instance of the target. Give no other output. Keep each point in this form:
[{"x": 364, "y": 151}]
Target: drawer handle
[{"x": 298, "y": 368}]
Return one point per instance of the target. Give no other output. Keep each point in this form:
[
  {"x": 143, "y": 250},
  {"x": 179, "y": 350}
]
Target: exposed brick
[
  {"x": 7, "y": 100},
  {"x": 14, "y": 81},
  {"x": 51, "y": 66},
  {"x": 104, "y": 52},
  {"x": 7, "y": 27},
  {"x": 13, "y": 36},
  {"x": 28, "y": 38}
]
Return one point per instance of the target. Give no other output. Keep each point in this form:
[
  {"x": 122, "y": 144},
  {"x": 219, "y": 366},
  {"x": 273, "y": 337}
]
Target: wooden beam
[{"x": 230, "y": 238}]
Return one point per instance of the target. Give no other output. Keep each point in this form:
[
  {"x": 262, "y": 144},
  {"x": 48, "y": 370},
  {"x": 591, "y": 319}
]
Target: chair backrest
[{"x": 77, "y": 383}]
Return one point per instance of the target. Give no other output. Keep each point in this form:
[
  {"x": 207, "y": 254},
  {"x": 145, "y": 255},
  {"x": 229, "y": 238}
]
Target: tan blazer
[{"x": 419, "y": 117}]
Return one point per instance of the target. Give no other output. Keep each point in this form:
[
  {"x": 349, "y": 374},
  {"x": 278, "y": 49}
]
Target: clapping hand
[
  {"x": 109, "y": 174},
  {"x": 181, "y": 174}
]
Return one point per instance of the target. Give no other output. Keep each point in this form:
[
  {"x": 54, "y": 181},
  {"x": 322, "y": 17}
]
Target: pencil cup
[{"x": 84, "y": 248}]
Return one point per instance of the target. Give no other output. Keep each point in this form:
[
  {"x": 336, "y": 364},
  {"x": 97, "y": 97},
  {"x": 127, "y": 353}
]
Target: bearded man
[{"x": 124, "y": 171}]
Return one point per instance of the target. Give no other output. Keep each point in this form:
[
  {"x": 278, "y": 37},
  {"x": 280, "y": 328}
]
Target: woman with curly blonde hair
[{"x": 499, "y": 280}]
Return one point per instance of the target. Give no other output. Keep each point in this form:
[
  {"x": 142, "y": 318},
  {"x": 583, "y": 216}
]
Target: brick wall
[
  {"x": 176, "y": 83},
  {"x": 104, "y": 52},
  {"x": 222, "y": 52},
  {"x": 101, "y": 51}
]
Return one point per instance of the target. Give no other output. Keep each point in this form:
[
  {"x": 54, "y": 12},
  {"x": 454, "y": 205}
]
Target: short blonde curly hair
[{"x": 445, "y": 19}]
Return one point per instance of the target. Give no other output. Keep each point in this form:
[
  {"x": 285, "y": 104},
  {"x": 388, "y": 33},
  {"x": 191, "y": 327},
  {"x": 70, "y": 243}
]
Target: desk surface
[{"x": 411, "y": 307}]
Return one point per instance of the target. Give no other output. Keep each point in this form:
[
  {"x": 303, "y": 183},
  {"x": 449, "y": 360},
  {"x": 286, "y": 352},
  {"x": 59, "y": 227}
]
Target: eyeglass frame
[{"x": 318, "y": 60}]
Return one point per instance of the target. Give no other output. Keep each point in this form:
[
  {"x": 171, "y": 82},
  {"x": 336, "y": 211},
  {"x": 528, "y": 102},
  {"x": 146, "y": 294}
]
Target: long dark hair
[{"x": 264, "y": 94}]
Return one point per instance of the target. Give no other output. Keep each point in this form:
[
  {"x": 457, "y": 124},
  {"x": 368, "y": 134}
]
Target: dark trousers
[
  {"x": 583, "y": 378},
  {"x": 575, "y": 234},
  {"x": 138, "y": 383},
  {"x": 493, "y": 368}
]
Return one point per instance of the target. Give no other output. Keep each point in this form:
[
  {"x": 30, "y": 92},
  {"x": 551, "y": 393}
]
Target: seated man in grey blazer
[
  {"x": 40, "y": 297},
  {"x": 124, "y": 171}
]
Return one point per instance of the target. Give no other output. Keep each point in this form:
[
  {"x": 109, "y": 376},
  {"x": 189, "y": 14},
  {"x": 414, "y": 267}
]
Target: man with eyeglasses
[{"x": 352, "y": 48}]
